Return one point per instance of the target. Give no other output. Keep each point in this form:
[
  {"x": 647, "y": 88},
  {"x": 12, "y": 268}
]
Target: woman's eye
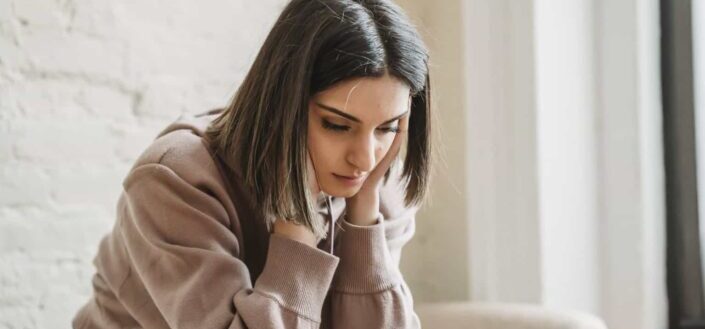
[
  {"x": 388, "y": 130},
  {"x": 334, "y": 127}
]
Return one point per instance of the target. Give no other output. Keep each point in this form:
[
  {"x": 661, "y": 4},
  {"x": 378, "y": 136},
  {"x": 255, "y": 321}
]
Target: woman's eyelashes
[
  {"x": 331, "y": 126},
  {"x": 390, "y": 129},
  {"x": 340, "y": 128}
]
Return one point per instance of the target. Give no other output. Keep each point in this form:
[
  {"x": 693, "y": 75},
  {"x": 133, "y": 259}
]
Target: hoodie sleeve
[
  {"x": 187, "y": 259},
  {"x": 369, "y": 291}
]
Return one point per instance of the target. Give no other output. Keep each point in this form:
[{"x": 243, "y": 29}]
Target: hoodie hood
[{"x": 197, "y": 123}]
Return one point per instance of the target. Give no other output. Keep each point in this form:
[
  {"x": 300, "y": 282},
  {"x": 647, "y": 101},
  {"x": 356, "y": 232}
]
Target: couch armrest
[{"x": 502, "y": 316}]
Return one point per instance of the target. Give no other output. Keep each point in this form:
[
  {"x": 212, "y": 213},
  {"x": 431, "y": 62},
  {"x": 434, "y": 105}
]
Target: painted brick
[{"x": 85, "y": 86}]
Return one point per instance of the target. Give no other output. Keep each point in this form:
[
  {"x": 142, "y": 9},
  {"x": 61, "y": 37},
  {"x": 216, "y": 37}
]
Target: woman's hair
[{"x": 313, "y": 45}]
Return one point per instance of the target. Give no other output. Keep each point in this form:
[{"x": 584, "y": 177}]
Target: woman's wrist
[{"x": 362, "y": 210}]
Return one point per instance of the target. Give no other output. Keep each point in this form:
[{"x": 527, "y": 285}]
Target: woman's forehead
[{"x": 368, "y": 98}]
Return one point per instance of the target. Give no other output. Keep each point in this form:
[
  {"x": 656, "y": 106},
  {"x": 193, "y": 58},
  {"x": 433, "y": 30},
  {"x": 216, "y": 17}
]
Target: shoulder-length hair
[{"x": 314, "y": 44}]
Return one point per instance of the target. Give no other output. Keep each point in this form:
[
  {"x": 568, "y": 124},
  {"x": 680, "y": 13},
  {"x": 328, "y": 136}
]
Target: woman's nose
[{"x": 362, "y": 154}]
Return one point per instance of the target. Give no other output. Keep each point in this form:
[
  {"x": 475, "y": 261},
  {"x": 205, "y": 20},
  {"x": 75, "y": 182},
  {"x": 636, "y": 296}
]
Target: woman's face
[{"x": 351, "y": 127}]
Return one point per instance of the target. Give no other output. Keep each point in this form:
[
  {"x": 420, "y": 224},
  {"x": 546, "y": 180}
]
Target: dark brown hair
[{"x": 313, "y": 45}]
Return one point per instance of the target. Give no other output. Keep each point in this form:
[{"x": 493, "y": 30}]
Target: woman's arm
[
  {"x": 368, "y": 290},
  {"x": 187, "y": 259}
]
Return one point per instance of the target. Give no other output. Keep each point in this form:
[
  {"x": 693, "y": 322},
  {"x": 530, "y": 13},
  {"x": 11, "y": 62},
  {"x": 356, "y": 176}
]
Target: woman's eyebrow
[{"x": 352, "y": 118}]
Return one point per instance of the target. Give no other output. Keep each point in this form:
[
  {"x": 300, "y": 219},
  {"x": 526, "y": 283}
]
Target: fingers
[
  {"x": 314, "y": 187},
  {"x": 392, "y": 153},
  {"x": 396, "y": 144}
]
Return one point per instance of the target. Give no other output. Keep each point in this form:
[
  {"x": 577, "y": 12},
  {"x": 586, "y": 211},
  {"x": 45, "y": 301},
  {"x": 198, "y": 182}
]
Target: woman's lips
[{"x": 349, "y": 180}]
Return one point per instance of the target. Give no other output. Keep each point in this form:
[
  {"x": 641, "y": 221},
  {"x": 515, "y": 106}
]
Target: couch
[{"x": 470, "y": 315}]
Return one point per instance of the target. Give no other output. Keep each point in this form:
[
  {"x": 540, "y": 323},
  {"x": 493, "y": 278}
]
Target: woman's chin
[{"x": 341, "y": 193}]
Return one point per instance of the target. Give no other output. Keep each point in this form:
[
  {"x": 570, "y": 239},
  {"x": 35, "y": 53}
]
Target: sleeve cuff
[
  {"x": 365, "y": 262},
  {"x": 297, "y": 276}
]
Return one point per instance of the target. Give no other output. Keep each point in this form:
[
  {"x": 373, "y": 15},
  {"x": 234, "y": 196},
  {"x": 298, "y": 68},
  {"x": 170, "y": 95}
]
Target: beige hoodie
[{"x": 188, "y": 250}]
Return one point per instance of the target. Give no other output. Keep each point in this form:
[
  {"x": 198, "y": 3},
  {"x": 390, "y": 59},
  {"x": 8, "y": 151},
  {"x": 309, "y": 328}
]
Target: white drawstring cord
[{"x": 330, "y": 224}]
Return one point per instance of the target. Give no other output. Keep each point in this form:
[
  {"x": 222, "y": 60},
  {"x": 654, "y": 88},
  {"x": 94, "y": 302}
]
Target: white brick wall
[{"x": 84, "y": 86}]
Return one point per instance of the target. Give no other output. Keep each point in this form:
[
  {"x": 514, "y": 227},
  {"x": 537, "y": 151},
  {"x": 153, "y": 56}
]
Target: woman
[{"x": 286, "y": 209}]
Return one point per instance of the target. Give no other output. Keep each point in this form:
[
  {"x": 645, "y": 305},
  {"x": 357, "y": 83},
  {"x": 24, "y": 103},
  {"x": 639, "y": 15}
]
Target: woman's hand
[
  {"x": 294, "y": 230},
  {"x": 363, "y": 207}
]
